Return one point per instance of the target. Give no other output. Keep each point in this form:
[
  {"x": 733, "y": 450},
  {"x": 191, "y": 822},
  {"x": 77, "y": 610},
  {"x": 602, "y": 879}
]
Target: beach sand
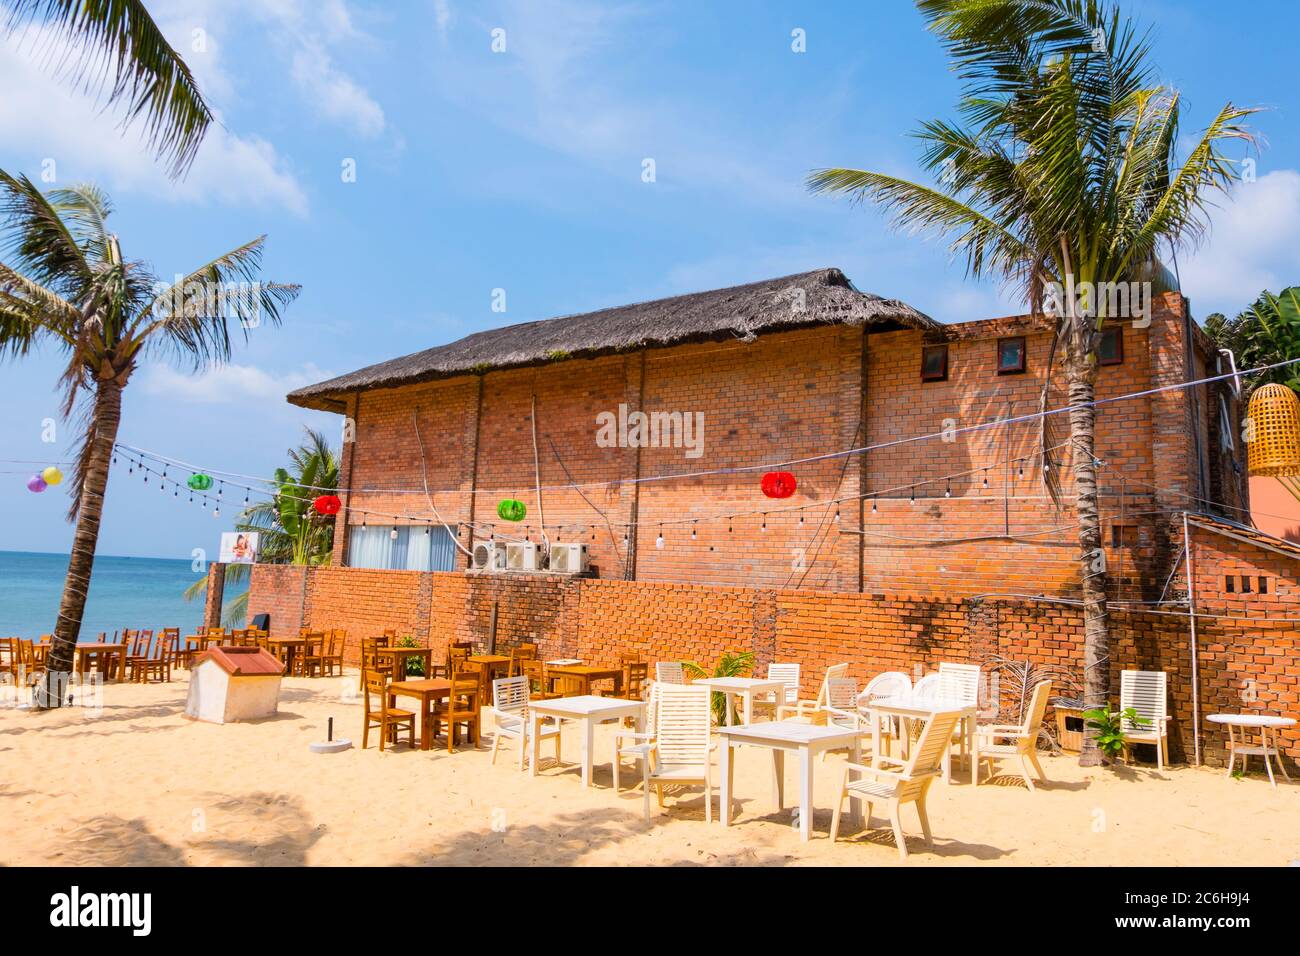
[{"x": 141, "y": 784}]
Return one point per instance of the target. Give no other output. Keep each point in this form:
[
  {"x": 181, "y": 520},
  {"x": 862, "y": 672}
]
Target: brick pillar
[
  {"x": 215, "y": 594},
  {"x": 1173, "y": 463}
]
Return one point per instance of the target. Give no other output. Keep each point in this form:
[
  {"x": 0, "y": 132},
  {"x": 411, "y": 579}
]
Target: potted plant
[
  {"x": 730, "y": 664},
  {"x": 1109, "y": 728},
  {"x": 414, "y": 665}
]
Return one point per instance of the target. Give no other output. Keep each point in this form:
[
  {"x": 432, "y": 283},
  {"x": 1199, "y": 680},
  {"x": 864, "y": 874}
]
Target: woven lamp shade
[{"x": 1275, "y": 416}]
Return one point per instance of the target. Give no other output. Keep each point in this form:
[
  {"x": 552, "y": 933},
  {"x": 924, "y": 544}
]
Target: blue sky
[{"x": 521, "y": 170}]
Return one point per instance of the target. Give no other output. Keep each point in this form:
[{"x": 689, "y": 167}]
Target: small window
[
  {"x": 934, "y": 363},
  {"x": 1110, "y": 351},
  {"x": 1229, "y": 584},
  {"x": 1117, "y": 536},
  {"x": 1245, "y": 584},
  {"x": 1011, "y": 355},
  {"x": 1263, "y": 584}
]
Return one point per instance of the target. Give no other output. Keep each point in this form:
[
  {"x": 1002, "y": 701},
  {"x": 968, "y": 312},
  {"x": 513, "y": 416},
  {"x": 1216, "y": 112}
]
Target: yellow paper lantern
[
  {"x": 1274, "y": 446},
  {"x": 52, "y": 475}
]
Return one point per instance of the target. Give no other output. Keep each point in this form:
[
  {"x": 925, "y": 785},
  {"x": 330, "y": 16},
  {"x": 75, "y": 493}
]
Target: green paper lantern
[
  {"x": 200, "y": 482},
  {"x": 511, "y": 510}
]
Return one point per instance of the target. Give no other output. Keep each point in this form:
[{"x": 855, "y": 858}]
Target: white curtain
[{"x": 415, "y": 548}]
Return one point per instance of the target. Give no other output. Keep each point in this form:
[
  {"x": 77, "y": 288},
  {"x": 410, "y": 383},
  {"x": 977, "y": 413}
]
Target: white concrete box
[{"x": 234, "y": 683}]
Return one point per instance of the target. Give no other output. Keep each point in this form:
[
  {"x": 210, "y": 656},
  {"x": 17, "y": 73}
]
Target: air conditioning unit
[
  {"x": 568, "y": 559},
  {"x": 489, "y": 556},
  {"x": 521, "y": 556}
]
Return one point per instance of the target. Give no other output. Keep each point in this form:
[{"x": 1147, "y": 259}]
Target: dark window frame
[
  {"x": 943, "y": 376},
  {"x": 1118, "y": 333},
  {"x": 1024, "y": 355}
]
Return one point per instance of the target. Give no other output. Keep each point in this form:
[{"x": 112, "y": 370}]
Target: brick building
[
  {"x": 906, "y": 555},
  {"x": 784, "y": 370}
]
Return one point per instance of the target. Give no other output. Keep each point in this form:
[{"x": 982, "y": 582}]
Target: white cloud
[
  {"x": 229, "y": 384},
  {"x": 1253, "y": 244},
  {"x": 333, "y": 94},
  {"x": 56, "y": 121}
]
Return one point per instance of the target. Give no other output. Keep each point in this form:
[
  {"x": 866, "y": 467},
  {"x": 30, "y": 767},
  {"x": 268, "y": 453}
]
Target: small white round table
[{"x": 1239, "y": 725}]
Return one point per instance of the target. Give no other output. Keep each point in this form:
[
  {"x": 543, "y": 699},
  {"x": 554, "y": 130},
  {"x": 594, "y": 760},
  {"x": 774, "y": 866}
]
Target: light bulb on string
[
  {"x": 986, "y": 477},
  {"x": 216, "y": 512},
  {"x": 392, "y": 535},
  {"x": 912, "y": 497},
  {"x": 947, "y": 491},
  {"x": 659, "y": 541},
  {"x": 693, "y": 524},
  {"x": 1020, "y": 468},
  {"x": 801, "y": 519},
  {"x": 837, "y": 513},
  {"x": 873, "y": 505},
  {"x": 764, "y": 528}
]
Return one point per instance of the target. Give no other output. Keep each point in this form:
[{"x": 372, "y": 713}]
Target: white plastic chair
[
  {"x": 510, "y": 712},
  {"x": 1147, "y": 693},
  {"x": 681, "y": 750},
  {"x": 927, "y": 686},
  {"x": 807, "y": 710},
  {"x": 634, "y": 743},
  {"x": 773, "y": 702},
  {"x": 960, "y": 682},
  {"x": 888, "y": 684},
  {"x": 841, "y": 710},
  {"x": 670, "y": 672},
  {"x": 909, "y": 783},
  {"x": 1018, "y": 742}
]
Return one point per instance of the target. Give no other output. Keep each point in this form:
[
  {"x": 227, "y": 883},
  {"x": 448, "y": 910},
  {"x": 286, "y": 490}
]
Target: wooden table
[
  {"x": 745, "y": 688},
  {"x": 400, "y": 655},
  {"x": 910, "y": 707},
  {"x": 585, "y": 674},
  {"x": 488, "y": 666},
  {"x": 116, "y": 651},
  {"x": 1267, "y": 725},
  {"x": 781, "y": 737},
  {"x": 427, "y": 692},
  {"x": 586, "y": 710},
  {"x": 290, "y": 646}
]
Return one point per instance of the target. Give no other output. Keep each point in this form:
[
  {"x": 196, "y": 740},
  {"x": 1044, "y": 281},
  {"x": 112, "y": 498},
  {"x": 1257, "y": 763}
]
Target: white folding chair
[
  {"x": 670, "y": 672},
  {"x": 810, "y": 709},
  {"x": 1147, "y": 693},
  {"x": 681, "y": 750},
  {"x": 787, "y": 697},
  {"x": 510, "y": 713}
]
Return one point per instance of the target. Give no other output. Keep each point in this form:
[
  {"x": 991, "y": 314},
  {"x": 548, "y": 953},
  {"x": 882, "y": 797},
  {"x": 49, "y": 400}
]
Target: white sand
[{"x": 141, "y": 784}]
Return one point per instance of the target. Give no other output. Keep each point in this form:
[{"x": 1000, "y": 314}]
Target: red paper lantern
[
  {"x": 327, "y": 505},
  {"x": 779, "y": 484}
]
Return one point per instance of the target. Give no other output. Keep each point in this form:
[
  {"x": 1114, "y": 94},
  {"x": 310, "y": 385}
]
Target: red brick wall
[
  {"x": 278, "y": 590},
  {"x": 790, "y": 396}
]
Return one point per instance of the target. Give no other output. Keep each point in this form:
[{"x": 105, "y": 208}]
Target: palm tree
[
  {"x": 290, "y": 530},
  {"x": 63, "y": 281},
  {"x": 122, "y": 44},
  {"x": 1266, "y": 332},
  {"x": 1062, "y": 167}
]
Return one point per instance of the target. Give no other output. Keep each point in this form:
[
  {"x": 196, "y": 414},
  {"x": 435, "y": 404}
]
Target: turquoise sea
[{"x": 124, "y": 592}]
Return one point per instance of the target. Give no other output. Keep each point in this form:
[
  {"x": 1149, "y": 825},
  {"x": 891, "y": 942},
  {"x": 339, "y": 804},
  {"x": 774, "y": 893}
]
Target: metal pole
[{"x": 1191, "y": 620}]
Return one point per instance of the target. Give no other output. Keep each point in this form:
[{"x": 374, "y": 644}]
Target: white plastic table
[
  {"x": 782, "y": 736},
  {"x": 589, "y": 711},
  {"x": 745, "y": 688},
  {"x": 911, "y": 707},
  {"x": 1267, "y": 726}
]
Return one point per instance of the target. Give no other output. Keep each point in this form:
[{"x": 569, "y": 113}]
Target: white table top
[
  {"x": 910, "y": 702},
  {"x": 584, "y": 706},
  {"x": 738, "y": 683},
  {"x": 788, "y": 731},
  {"x": 1251, "y": 720},
  {"x": 563, "y": 662}
]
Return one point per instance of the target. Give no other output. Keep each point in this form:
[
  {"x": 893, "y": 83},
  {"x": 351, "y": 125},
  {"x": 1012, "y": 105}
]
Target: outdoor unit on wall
[
  {"x": 521, "y": 556},
  {"x": 568, "y": 559},
  {"x": 489, "y": 556}
]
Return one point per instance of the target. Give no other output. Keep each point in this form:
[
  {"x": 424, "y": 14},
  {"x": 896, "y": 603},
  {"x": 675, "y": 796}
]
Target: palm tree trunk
[
  {"x": 102, "y": 433},
  {"x": 1092, "y": 557}
]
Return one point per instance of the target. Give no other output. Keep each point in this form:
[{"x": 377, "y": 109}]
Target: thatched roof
[{"x": 823, "y": 297}]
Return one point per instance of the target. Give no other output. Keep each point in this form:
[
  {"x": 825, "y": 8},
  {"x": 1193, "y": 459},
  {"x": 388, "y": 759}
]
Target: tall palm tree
[
  {"x": 64, "y": 282},
  {"x": 290, "y": 530},
  {"x": 1063, "y": 165},
  {"x": 122, "y": 44}
]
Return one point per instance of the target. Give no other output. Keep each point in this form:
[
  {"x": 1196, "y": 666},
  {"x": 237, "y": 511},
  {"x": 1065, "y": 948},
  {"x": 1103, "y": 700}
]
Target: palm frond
[
  {"x": 122, "y": 44},
  {"x": 39, "y": 243}
]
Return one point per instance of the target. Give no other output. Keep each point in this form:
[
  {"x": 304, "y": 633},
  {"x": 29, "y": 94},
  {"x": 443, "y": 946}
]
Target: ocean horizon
[{"x": 125, "y": 592}]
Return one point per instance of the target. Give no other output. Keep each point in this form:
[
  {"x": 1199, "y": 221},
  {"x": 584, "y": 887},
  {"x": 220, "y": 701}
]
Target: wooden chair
[
  {"x": 636, "y": 676},
  {"x": 909, "y": 782},
  {"x": 771, "y": 703},
  {"x": 538, "y": 680},
  {"x": 170, "y": 633},
  {"x": 680, "y": 753},
  {"x": 459, "y": 708},
  {"x": 811, "y": 710},
  {"x": 1018, "y": 742},
  {"x": 458, "y": 659},
  {"x": 1147, "y": 693},
  {"x": 309, "y": 661},
  {"x": 510, "y": 713},
  {"x": 369, "y": 656},
  {"x": 331, "y": 655},
  {"x": 389, "y": 720},
  {"x": 159, "y": 663},
  {"x": 141, "y": 646},
  {"x": 670, "y": 672},
  {"x": 519, "y": 654},
  {"x": 9, "y": 656}
]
